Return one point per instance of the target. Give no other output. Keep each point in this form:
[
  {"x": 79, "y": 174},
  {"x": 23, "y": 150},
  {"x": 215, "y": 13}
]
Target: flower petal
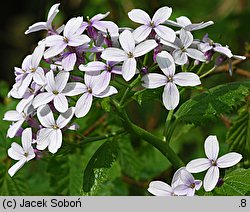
[
  {"x": 83, "y": 105},
  {"x": 39, "y": 77},
  {"x": 54, "y": 40},
  {"x": 110, "y": 90},
  {"x": 198, "y": 165},
  {"x": 12, "y": 115},
  {"x": 129, "y": 68},
  {"x": 13, "y": 129},
  {"x": 153, "y": 80},
  {"x": 54, "y": 50},
  {"x": 127, "y": 41},
  {"x": 65, "y": 118},
  {"x": 55, "y": 141},
  {"x": 114, "y": 54},
  {"x": 107, "y": 27},
  {"x": 78, "y": 40},
  {"x": 16, "y": 167},
  {"x": 180, "y": 57},
  {"x": 145, "y": 47},
  {"x": 211, "y": 178},
  {"x": 166, "y": 63},
  {"x": 171, "y": 96},
  {"x": 16, "y": 151},
  {"x": 186, "y": 79},
  {"x": 211, "y": 146},
  {"x": 161, "y": 15},
  {"x": 99, "y": 17},
  {"x": 229, "y": 160},
  {"x": 93, "y": 66},
  {"x": 37, "y": 55},
  {"x": 42, "y": 99},
  {"x": 159, "y": 188},
  {"x": 27, "y": 139},
  {"x": 61, "y": 80},
  {"x": 165, "y": 33},
  {"x": 52, "y": 13},
  {"x": 61, "y": 103},
  {"x": 43, "y": 138},
  {"x": 196, "y": 54},
  {"x": 45, "y": 116},
  {"x": 72, "y": 26},
  {"x": 36, "y": 27},
  {"x": 141, "y": 33},
  {"x": 69, "y": 62},
  {"x": 186, "y": 38},
  {"x": 139, "y": 16},
  {"x": 182, "y": 190},
  {"x": 74, "y": 89},
  {"x": 223, "y": 50}
]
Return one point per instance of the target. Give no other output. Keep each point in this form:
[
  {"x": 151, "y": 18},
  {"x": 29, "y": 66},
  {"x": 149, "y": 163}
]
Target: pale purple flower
[
  {"x": 54, "y": 91},
  {"x": 185, "y": 23},
  {"x": 171, "y": 94},
  {"x": 104, "y": 26},
  {"x": 30, "y": 71},
  {"x": 45, "y": 25},
  {"x": 183, "y": 50},
  {"x": 18, "y": 118},
  {"x": 95, "y": 86},
  {"x": 160, "y": 16},
  {"x": 129, "y": 53},
  {"x": 188, "y": 184},
  {"x": 23, "y": 153},
  {"x": 212, "y": 162},
  {"x": 72, "y": 36},
  {"x": 51, "y": 135},
  {"x": 97, "y": 66}
]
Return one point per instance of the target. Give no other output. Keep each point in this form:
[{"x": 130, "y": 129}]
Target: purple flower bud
[
  {"x": 209, "y": 54},
  {"x": 38, "y": 154},
  {"x": 92, "y": 33},
  {"x": 144, "y": 70},
  {"x": 219, "y": 60}
]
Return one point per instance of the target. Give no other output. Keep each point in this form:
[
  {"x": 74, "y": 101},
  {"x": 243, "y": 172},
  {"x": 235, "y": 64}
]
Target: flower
[
  {"x": 18, "y": 118},
  {"x": 54, "y": 88},
  {"x": 104, "y": 26},
  {"x": 95, "y": 86},
  {"x": 212, "y": 162},
  {"x": 188, "y": 184},
  {"x": 128, "y": 54},
  {"x": 30, "y": 71},
  {"x": 171, "y": 94},
  {"x": 142, "y": 32},
  {"x": 45, "y": 25},
  {"x": 51, "y": 135},
  {"x": 72, "y": 36},
  {"x": 96, "y": 66},
  {"x": 186, "y": 24},
  {"x": 22, "y": 153},
  {"x": 182, "y": 48}
]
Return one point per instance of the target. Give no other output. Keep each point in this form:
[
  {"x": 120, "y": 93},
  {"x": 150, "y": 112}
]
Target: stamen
[{"x": 130, "y": 55}]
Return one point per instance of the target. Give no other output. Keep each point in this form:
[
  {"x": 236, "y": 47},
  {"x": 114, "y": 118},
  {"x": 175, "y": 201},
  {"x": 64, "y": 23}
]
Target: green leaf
[
  {"x": 148, "y": 95},
  {"x": 236, "y": 183},
  {"x": 105, "y": 103},
  {"x": 66, "y": 174},
  {"x": 105, "y": 155},
  {"x": 209, "y": 105},
  {"x": 238, "y": 136}
]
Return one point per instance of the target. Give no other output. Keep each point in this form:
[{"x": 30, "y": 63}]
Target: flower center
[
  {"x": 130, "y": 55},
  {"x": 152, "y": 24},
  {"x": 213, "y": 163},
  {"x": 170, "y": 79},
  {"x": 55, "y": 127},
  {"x": 89, "y": 90},
  {"x": 55, "y": 92},
  {"x": 33, "y": 69},
  {"x": 66, "y": 40},
  {"x": 26, "y": 154},
  {"x": 109, "y": 69},
  {"x": 23, "y": 115},
  {"x": 183, "y": 49},
  {"x": 192, "y": 186}
]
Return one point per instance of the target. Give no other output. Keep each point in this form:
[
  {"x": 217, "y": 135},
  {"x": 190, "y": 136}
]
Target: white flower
[
  {"x": 129, "y": 53},
  {"x": 45, "y": 25},
  {"x": 161, "y": 15},
  {"x": 30, "y": 71},
  {"x": 54, "y": 88},
  {"x": 22, "y": 154},
  {"x": 212, "y": 162},
  {"x": 185, "y": 23},
  {"x": 18, "y": 118},
  {"x": 171, "y": 94},
  {"x": 51, "y": 135},
  {"x": 72, "y": 36},
  {"x": 182, "y": 48}
]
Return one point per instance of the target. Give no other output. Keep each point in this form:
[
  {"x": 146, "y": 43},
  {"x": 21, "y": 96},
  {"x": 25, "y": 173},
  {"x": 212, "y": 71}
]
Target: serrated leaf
[
  {"x": 238, "y": 136},
  {"x": 65, "y": 174},
  {"x": 236, "y": 183},
  {"x": 105, "y": 155},
  {"x": 209, "y": 105}
]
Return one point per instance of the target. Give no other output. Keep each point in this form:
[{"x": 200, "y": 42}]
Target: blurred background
[{"x": 140, "y": 162}]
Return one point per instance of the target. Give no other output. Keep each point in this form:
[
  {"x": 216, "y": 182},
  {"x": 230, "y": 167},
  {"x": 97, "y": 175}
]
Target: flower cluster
[
  {"x": 76, "y": 63},
  {"x": 184, "y": 184}
]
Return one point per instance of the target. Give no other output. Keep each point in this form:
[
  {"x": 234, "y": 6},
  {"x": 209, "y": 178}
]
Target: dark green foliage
[{"x": 214, "y": 102}]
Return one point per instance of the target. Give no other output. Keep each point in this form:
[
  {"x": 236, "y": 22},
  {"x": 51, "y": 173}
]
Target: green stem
[
  {"x": 200, "y": 69},
  {"x": 208, "y": 72},
  {"x": 164, "y": 148}
]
